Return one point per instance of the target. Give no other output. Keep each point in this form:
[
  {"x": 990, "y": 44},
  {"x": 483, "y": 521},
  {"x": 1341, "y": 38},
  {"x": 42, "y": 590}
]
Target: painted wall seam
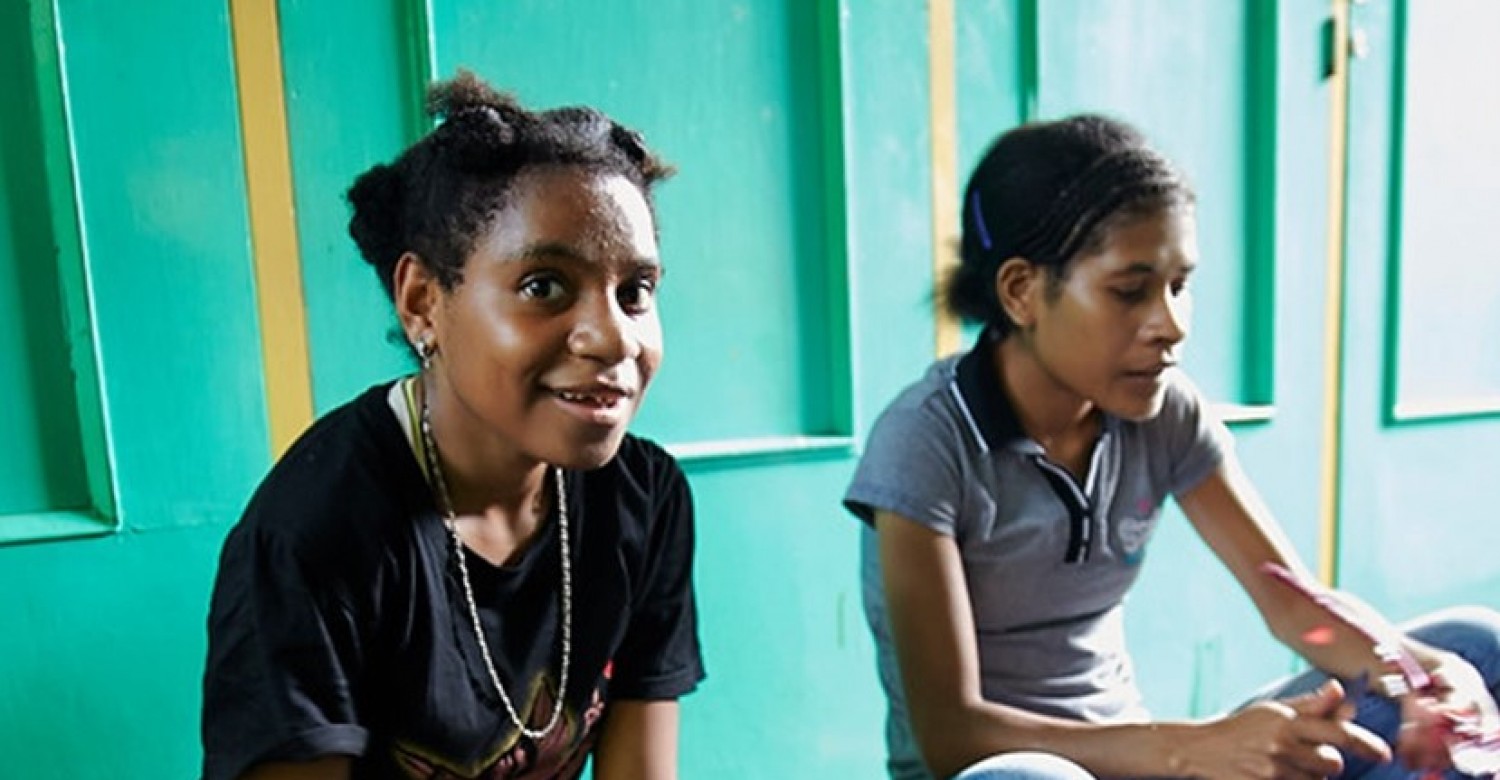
[
  {"x": 1333, "y": 333},
  {"x": 278, "y": 267},
  {"x": 943, "y": 115}
]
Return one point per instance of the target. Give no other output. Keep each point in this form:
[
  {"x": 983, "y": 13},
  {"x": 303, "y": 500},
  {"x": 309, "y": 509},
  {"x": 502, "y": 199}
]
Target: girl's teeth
[{"x": 584, "y": 399}]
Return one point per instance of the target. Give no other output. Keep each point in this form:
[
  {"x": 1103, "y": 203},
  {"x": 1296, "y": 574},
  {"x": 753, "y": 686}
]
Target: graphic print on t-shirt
[{"x": 558, "y": 756}]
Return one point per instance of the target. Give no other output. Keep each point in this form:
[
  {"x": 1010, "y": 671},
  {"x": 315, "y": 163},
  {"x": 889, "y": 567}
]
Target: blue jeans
[{"x": 1472, "y": 633}]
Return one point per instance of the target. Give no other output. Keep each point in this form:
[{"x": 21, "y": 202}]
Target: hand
[
  {"x": 1441, "y": 726},
  {"x": 1294, "y": 739}
]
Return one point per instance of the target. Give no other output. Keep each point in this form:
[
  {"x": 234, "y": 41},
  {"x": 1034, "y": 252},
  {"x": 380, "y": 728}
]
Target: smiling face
[
  {"x": 548, "y": 343},
  {"x": 1109, "y": 330}
]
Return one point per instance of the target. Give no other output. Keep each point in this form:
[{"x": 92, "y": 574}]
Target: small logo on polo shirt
[{"x": 1134, "y": 530}]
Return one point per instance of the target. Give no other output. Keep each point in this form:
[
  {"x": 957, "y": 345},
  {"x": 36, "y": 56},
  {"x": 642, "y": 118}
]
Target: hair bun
[{"x": 377, "y": 225}]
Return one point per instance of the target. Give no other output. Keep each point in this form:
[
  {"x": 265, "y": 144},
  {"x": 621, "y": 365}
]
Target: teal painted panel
[
  {"x": 1417, "y": 523},
  {"x": 42, "y": 466},
  {"x": 1446, "y": 309},
  {"x": 731, "y": 93},
  {"x": 1180, "y": 72},
  {"x": 791, "y": 690},
  {"x": 166, "y": 241},
  {"x": 888, "y": 199},
  {"x": 102, "y": 655},
  {"x": 336, "y": 133},
  {"x": 994, "y": 62}
]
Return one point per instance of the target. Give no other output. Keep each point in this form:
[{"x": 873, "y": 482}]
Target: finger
[
  {"x": 1319, "y": 703},
  {"x": 1311, "y": 759},
  {"x": 1344, "y": 735},
  {"x": 1363, "y": 743}
]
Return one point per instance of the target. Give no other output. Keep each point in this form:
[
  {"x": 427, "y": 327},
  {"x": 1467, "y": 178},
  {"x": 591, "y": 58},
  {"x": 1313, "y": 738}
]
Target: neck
[
  {"x": 1050, "y": 412},
  {"x": 481, "y": 471}
]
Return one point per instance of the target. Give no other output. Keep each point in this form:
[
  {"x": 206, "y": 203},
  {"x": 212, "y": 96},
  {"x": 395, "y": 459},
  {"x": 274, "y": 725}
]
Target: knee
[
  {"x": 1024, "y": 766},
  {"x": 1470, "y": 631}
]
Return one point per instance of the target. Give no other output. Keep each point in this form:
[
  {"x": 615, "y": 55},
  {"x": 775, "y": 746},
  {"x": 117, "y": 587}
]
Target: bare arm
[
  {"x": 1229, "y": 516},
  {"x": 325, "y": 768},
  {"x": 953, "y": 724},
  {"x": 638, "y": 741}
]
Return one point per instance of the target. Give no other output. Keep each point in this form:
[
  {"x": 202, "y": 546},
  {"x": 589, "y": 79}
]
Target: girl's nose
[
  {"x": 1170, "y": 318},
  {"x": 603, "y": 332}
]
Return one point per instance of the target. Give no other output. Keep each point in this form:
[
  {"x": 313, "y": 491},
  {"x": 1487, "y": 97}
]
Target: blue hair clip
[{"x": 984, "y": 231}]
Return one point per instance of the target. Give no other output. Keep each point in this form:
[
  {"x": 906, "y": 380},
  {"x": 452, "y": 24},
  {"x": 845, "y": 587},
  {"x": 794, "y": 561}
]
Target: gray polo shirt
[{"x": 1047, "y": 560}]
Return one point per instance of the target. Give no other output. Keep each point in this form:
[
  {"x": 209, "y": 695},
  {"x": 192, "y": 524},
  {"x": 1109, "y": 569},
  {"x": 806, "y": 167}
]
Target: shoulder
[
  {"x": 926, "y": 408},
  {"x": 642, "y": 472},
  {"x": 1182, "y": 396},
  {"x": 1186, "y": 439},
  {"x": 347, "y": 477},
  {"x": 1183, "y": 410},
  {"x": 641, "y": 500}
]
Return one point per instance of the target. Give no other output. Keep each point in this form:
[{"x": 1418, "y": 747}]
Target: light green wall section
[
  {"x": 41, "y": 466},
  {"x": 351, "y": 100},
  {"x": 165, "y": 235},
  {"x": 1442, "y": 355},
  {"x": 102, "y": 643},
  {"x": 1418, "y": 525},
  {"x": 733, "y": 94},
  {"x": 102, "y": 653}
]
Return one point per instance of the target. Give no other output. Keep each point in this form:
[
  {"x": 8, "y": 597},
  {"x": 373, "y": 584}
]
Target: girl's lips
[
  {"x": 1150, "y": 371},
  {"x": 595, "y": 406}
]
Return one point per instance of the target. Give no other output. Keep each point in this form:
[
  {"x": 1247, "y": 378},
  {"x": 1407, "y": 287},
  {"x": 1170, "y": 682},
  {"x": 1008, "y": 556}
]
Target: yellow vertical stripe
[
  {"x": 1333, "y": 326},
  {"x": 268, "y": 175},
  {"x": 944, "y": 122}
]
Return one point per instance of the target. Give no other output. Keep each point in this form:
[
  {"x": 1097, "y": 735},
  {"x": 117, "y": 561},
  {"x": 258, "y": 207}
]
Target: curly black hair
[
  {"x": 1051, "y": 192},
  {"x": 444, "y": 191}
]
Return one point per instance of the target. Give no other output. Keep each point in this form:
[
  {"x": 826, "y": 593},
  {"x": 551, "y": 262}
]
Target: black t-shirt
[{"x": 338, "y": 624}]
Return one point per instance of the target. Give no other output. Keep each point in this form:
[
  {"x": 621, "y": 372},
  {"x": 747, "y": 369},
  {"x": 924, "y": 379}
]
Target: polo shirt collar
[{"x": 985, "y": 402}]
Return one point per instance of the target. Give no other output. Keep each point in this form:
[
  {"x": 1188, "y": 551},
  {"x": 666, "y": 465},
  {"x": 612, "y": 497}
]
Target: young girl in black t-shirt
[{"x": 475, "y": 571}]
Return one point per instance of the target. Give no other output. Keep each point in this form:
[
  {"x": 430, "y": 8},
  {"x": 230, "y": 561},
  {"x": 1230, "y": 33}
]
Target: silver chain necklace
[{"x": 450, "y": 519}]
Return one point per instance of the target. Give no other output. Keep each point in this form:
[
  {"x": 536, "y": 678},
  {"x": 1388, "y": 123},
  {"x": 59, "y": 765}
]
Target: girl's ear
[
  {"x": 1018, "y": 287},
  {"x": 416, "y": 293}
]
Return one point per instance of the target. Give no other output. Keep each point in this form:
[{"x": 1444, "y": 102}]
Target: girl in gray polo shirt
[{"x": 1038, "y": 463}]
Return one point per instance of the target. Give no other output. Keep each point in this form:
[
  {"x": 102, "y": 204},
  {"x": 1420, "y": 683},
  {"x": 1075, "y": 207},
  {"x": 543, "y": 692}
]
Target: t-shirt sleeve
[
  {"x": 283, "y": 653},
  {"x": 1197, "y": 440},
  {"x": 659, "y": 656},
  {"x": 910, "y": 467}
]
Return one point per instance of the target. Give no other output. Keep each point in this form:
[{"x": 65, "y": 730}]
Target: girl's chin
[
  {"x": 1134, "y": 408},
  {"x": 585, "y": 456}
]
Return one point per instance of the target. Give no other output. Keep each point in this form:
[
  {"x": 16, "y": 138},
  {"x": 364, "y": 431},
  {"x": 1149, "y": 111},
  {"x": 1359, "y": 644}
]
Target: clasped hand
[{"x": 1292, "y": 739}]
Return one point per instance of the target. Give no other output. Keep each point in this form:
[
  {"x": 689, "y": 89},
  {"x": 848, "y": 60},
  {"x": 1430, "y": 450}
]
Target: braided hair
[
  {"x": 1050, "y": 192},
  {"x": 440, "y": 195}
]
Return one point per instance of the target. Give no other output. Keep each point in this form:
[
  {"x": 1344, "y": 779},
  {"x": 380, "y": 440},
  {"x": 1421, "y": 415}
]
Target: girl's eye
[
  {"x": 1179, "y": 286},
  {"x": 1130, "y": 294},
  {"x": 637, "y": 295},
  {"x": 541, "y": 287}
]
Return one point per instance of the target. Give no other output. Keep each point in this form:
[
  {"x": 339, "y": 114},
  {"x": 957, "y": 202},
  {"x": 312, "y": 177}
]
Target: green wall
[{"x": 799, "y": 238}]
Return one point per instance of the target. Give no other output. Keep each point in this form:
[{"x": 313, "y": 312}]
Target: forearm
[
  {"x": 964, "y": 735},
  {"x": 638, "y": 741},
  {"x": 1361, "y": 644}
]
